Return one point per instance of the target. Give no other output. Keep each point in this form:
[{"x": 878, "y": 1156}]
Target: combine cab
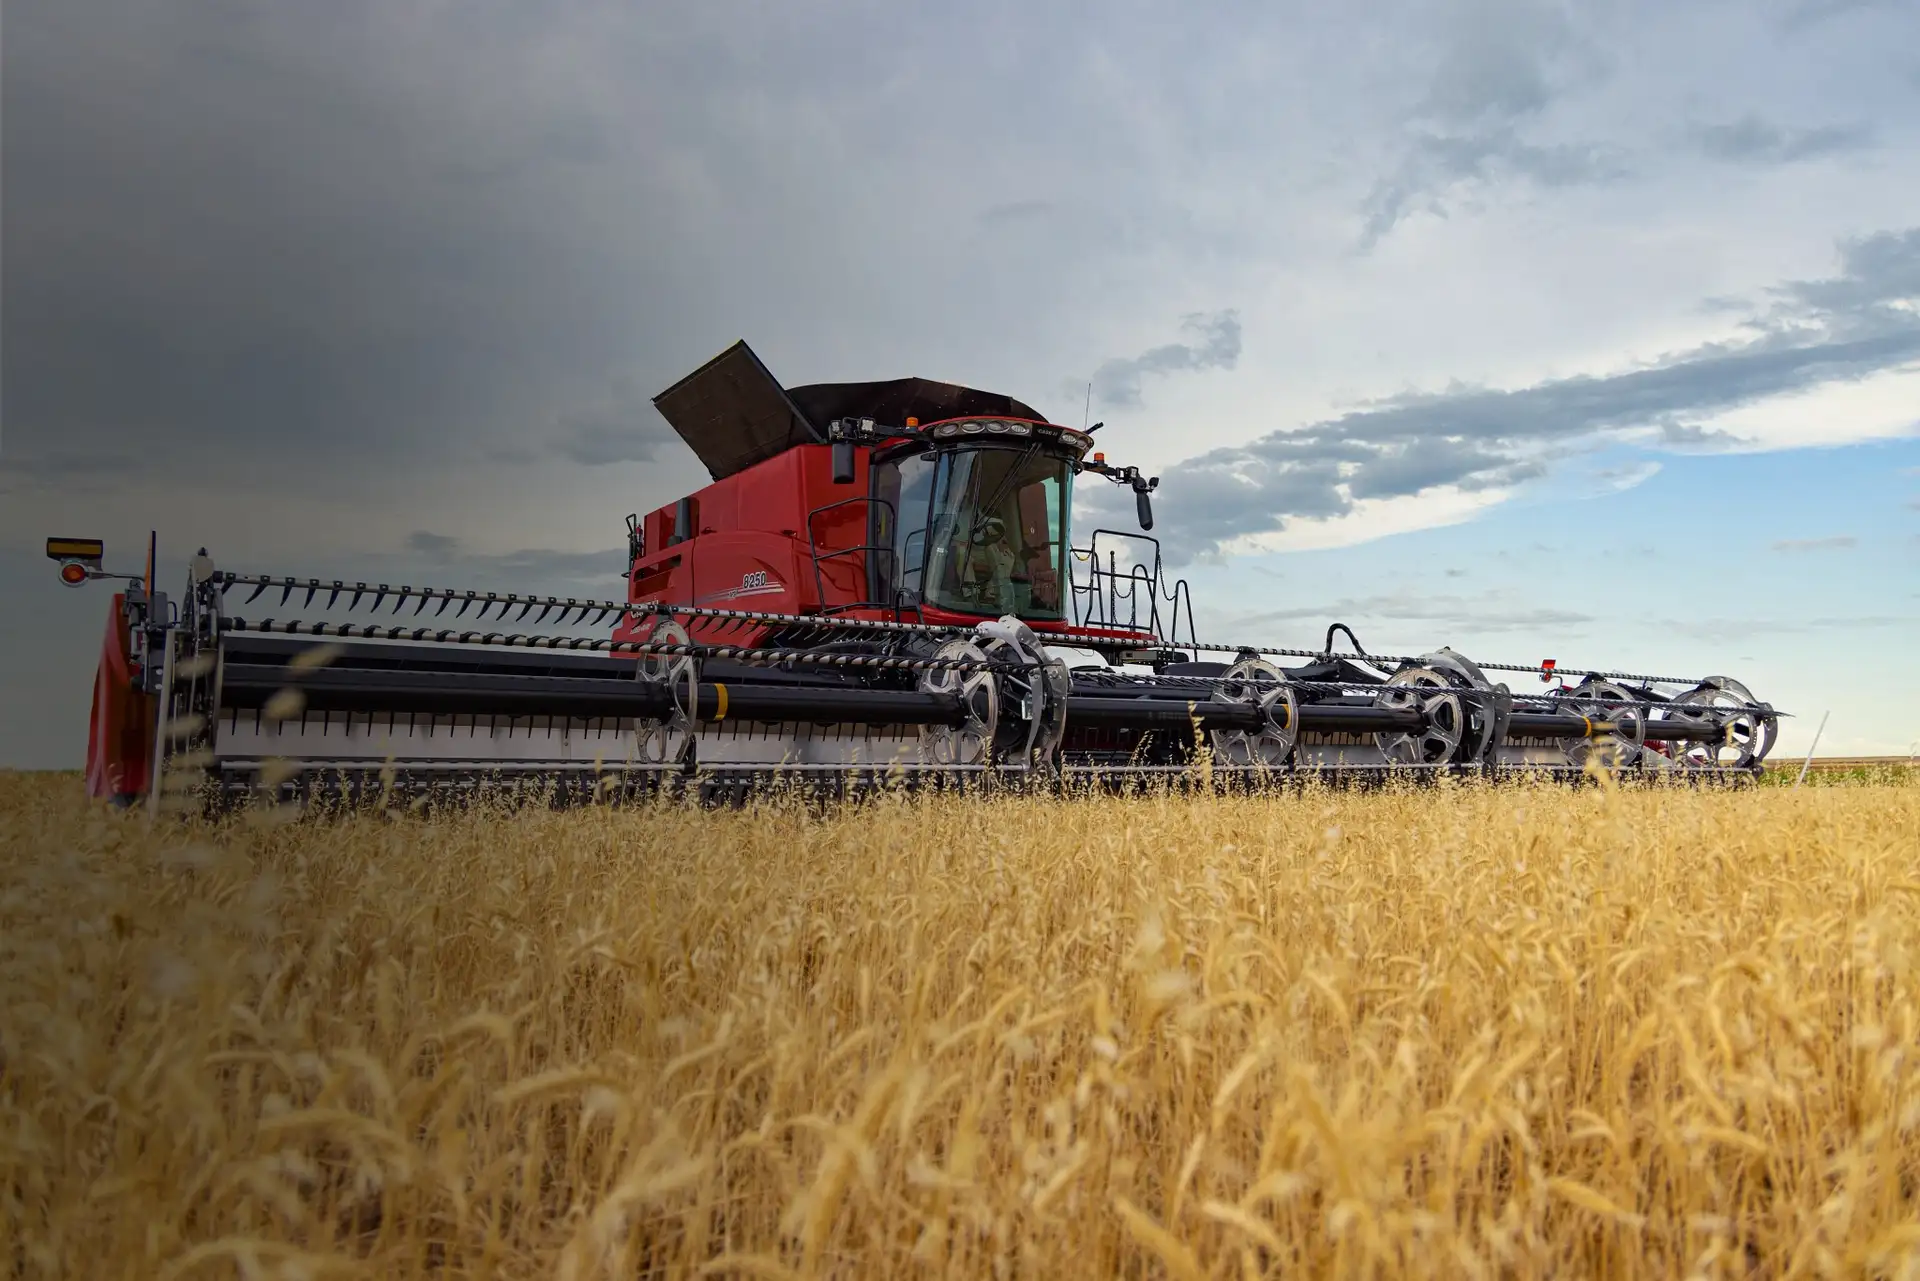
[{"x": 880, "y": 585}]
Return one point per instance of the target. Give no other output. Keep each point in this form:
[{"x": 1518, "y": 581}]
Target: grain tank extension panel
[{"x": 733, "y": 413}]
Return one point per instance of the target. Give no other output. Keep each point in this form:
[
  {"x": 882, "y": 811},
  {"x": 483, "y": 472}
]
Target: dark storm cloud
[
  {"x": 1217, "y": 346},
  {"x": 1436, "y": 165},
  {"x": 1501, "y": 68},
  {"x": 366, "y": 238},
  {"x": 1841, "y": 329},
  {"x": 436, "y": 559},
  {"x": 68, "y": 472},
  {"x": 545, "y": 565},
  {"x": 623, "y": 428},
  {"x": 1680, "y": 435},
  {"x": 1877, "y": 287},
  {"x": 309, "y": 244},
  {"x": 1751, "y": 140},
  {"x": 1425, "y": 464},
  {"x": 235, "y": 231},
  {"x": 435, "y": 546}
]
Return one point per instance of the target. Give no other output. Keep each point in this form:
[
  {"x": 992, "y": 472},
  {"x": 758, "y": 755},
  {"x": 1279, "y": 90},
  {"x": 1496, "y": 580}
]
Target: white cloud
[
  {"x": 1615, "y": 480},
  {"x": 1372, "y": 518},
  {"x": 1880, "y": 407},
  {"x": 1836, "y": 543}
]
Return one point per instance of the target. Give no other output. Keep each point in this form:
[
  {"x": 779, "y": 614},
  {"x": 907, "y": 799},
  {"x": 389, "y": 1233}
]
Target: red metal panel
[
  {"x": 120, "y": 735},
  {"x": 754, "y": 546}
]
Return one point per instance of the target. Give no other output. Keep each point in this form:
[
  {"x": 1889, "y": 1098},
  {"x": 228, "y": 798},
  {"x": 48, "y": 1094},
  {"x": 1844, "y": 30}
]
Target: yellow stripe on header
[{"x": 75, "y": 549}]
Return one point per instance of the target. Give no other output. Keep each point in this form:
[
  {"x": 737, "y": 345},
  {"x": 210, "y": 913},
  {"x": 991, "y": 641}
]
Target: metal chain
[
  {"x": 504, "y": 601},
  {"x": 731, "y": 653},
  {"x": 767, "y": 656},
  {"x": 603, "y": 610},
  {"x": 1378, "y": 659},
  {"x": 1549, "y": 701}
]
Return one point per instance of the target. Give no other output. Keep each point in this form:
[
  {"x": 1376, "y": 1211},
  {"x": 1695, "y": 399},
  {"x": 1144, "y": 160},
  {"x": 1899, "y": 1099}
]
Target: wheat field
[{"x": 1461, "y": 1031}]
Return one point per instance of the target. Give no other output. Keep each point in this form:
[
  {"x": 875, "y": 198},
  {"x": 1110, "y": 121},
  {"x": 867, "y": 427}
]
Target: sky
[{"x": 1586, "y": 331}]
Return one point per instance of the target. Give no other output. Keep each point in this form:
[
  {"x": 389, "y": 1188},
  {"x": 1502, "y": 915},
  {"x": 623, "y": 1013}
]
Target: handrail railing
[
  {"x": 1145, "y": 588},
  {"x": 819, "y": 578}
]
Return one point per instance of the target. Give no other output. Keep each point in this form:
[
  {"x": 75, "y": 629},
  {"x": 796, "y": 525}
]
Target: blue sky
[
  {"x": 1590, "y": 331},
  {"x": 1796, "y": 572}
]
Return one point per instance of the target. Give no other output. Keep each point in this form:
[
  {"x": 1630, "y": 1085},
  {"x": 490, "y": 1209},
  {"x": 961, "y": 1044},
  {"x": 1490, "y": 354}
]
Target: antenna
[
  {"x": 1808, "y": 763},
  {"x": 1088, "y": 411}
]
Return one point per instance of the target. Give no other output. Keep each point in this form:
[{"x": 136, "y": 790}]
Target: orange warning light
[
  {"x": 73, "y": 573},
  {"x": 913, "y": 422},
  {"x": 1099, "y": 458}
]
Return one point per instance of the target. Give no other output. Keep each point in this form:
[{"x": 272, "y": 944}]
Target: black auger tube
[
  {"x": 1339, "y": 718},
  {"x": 1168, "y": 713},
  {"x": 250, "y": 686},
  {"x": 730, "y": 702},
  {"x": 1560, "y": 725},
  {"x": 1119, "y": 712},
  {"x": 246, "y": 686}
]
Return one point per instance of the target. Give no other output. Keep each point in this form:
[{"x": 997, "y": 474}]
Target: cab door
[{"x": 902, "y": 491}]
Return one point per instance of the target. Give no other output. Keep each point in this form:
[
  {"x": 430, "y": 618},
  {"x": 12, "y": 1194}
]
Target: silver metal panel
[
  {"x": 757, "y": 743},
  {"x": 372, "y": 739},
  {"x": 1309, "y": 755}
]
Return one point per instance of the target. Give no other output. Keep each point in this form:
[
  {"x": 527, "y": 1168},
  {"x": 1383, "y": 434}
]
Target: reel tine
[
  {"x": 380, "y": 596},
  {"x": 313, "y": 586},
  {"x": 525, "y": 610},
  {"x": 286, "y": 592},
  {"x": 359, "y": 590},
  {"x": 338, "y": 587},
  {"x": 544, "y": 611},
  {"x": 424, "y": 593},
  {"x": 446, "y": 599},
  {"x": 259, "y": 587},
  {"x": 601, "y": 617},
  {"x": 464, "y": 605},
  {"x": 401, "y": 599}
]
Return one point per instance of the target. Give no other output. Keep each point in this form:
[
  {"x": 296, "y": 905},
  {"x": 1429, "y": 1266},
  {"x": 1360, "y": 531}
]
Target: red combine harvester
[{"x": 880, "y": 585}]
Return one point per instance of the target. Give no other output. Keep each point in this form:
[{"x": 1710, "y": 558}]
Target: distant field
[
  {"x": 1850, "y": 763},
  {"x": 1453, "y": 1032}
]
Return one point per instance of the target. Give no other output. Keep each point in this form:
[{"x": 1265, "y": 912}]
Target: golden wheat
[{"x": 1453, "y": 1032}]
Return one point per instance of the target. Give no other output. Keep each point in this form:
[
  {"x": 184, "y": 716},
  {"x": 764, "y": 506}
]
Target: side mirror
[
  {"x": 843, "y": 462},
  {"x": 1144, "y": 507}
]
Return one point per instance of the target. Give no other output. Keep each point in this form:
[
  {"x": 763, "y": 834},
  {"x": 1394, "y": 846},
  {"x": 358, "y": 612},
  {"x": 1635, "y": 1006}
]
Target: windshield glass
[{"x": 994, "y": 533}]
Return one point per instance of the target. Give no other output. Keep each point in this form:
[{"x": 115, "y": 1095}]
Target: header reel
[{"x": 245, "y": 705}]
